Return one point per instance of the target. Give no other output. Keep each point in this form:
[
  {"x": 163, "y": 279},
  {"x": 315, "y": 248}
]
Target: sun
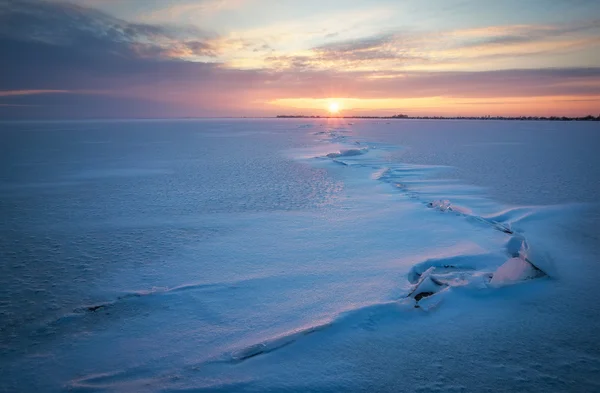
[{"x": 334, "y": 107}]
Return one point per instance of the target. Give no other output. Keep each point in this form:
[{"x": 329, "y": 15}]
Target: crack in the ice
[{"x": 431, "y": 281}]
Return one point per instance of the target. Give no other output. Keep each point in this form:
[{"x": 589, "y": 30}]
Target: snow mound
[
  {"x": 459, "y": 263},
  {"x": 471, "y": 272},
  {"x": 348, "y": 153},
  {"x": 272, "y": 344},
  {"x": 441, "y": 277},
  {"x": 380, "y": 174},
  {"x": 444, "y": 205}
]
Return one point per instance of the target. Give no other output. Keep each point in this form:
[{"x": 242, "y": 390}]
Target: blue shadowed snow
[{"x": 269, "y": 255}]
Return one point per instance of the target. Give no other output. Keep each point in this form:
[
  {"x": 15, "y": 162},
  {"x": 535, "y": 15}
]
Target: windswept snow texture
[{"x": 284, "y": 255}]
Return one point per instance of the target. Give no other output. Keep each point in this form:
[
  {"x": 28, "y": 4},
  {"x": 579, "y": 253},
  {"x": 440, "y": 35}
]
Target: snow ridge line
[{"x": 439, "y": 278}]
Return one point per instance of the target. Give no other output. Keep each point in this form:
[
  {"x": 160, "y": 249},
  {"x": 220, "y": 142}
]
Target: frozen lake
[{"x": 299, "y": 255}]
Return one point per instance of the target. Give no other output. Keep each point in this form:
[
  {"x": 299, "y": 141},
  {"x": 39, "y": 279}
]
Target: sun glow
[
  {"x": 447, "y": 106},
  {"x": 334, "y": 107}
]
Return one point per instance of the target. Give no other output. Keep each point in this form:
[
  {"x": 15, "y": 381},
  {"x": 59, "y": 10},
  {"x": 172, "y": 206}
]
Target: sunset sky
[{"x": 161, "y": 58}]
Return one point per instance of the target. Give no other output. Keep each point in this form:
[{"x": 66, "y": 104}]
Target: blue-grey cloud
[
  {"x": 86, "y": 29},
  {"x": 64, "y": 46},
  {"x": 85, "y": 106},
  {"x": 353, "y": 53}
]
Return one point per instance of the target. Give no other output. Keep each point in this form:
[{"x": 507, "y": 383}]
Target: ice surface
[{"x": 230, "y": 255}]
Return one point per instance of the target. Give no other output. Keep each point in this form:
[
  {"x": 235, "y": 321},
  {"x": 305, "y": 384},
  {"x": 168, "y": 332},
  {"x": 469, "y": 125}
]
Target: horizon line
[{"x": 392, "y": 117}]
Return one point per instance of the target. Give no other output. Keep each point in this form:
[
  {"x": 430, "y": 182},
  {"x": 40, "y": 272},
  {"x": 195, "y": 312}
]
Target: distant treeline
[{"x": 539, "y": 118}]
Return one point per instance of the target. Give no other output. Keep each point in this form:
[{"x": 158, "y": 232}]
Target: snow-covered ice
[{"x": 239, "y": 255}]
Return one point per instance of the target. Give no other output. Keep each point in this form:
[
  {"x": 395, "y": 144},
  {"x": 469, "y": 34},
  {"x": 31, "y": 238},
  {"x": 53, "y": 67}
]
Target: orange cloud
[{"x": 495, "y": 47}]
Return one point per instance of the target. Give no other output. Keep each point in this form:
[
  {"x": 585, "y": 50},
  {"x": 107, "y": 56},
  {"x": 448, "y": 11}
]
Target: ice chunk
[
  {"x": 430, "y": 303},
  {"x": 517, "y": 246},
  {"x": 513, "y": 271},
  {"x": 348, "y": 153},
  {"x": 426, "y": 286},
  {"x": 441, "y": 205}
]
